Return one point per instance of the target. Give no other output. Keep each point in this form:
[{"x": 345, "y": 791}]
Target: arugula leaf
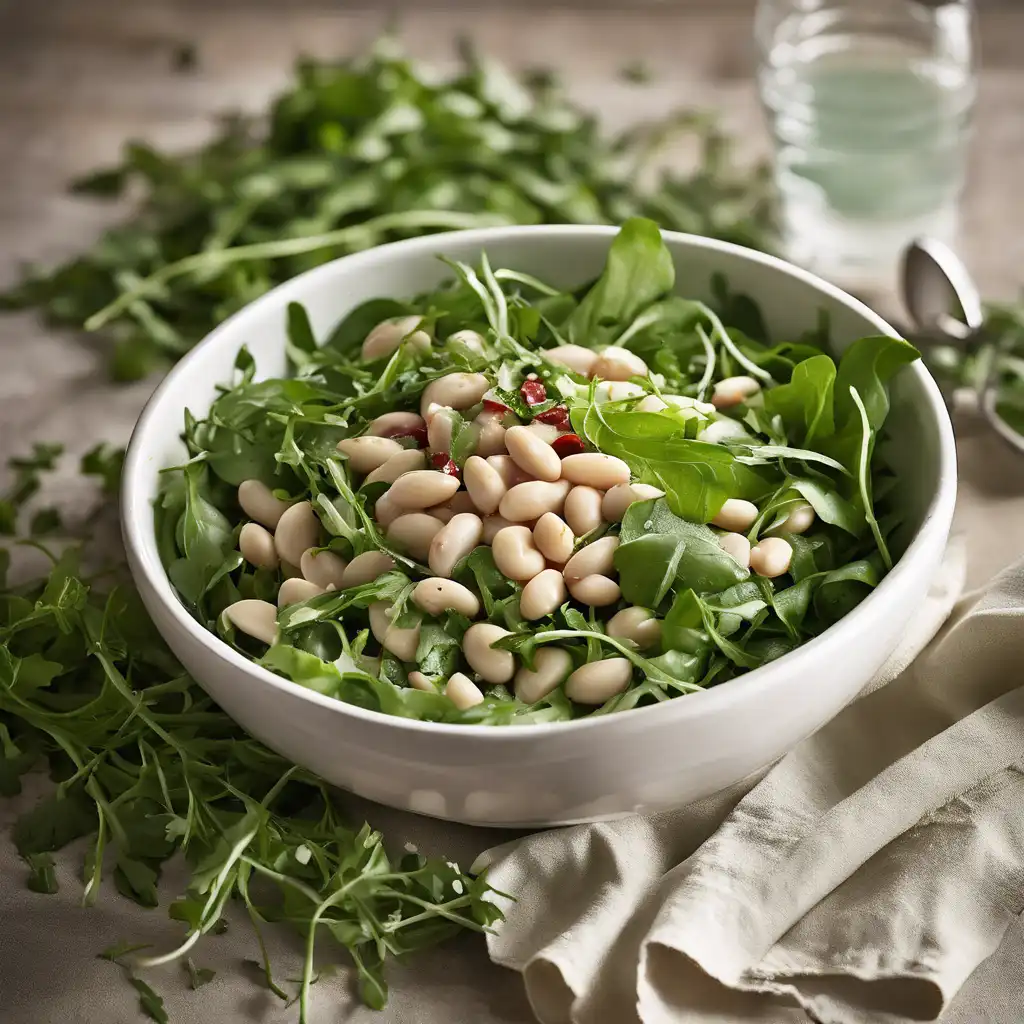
[
  {"x": 639, "y": 270},
  {"x": 696, "y": 477},
  {"x": 828, "y": 504},
  {"x": 198, "y": 976},
  {"x": 42, "y": 877},
  {"x": 867, "y": 365},
  {"x": 104, "y": 461},
  {"x": 27, "y": 473},
  {"x": 151, "y": 1004},
  {"x": 806, "y": 403},
  {"x": 657, "y": 548}
]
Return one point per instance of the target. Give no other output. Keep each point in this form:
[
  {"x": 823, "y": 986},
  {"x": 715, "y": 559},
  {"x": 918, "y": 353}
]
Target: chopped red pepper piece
[
  {"x": 445, "y": 463},
  {"x": 490, "y": 405},
  {"x": 533, "y": 392},
  {"x": 566, "y": 445},
  {"x": 556, "y": 416}
]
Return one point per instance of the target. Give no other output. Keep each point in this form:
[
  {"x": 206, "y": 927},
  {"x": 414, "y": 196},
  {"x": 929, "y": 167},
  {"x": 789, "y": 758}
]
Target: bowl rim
[{"x": 139, "y": 533}]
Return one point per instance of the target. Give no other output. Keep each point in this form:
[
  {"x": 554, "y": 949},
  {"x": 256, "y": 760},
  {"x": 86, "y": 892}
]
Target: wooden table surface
[{"x": 79, "y": 77}]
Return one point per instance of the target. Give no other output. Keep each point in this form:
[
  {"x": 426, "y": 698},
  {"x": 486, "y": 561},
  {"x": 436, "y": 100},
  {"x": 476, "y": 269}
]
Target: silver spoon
[
  {"x": 938, "y": 291},
  {"x": 945, "y": 306}
]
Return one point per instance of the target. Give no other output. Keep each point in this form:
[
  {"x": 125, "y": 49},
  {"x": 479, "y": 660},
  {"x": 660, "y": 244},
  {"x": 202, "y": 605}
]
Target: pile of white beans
[{"x": 514, "y": 494}]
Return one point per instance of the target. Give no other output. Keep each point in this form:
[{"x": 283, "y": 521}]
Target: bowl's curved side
[{"x": 570, "y": 771}]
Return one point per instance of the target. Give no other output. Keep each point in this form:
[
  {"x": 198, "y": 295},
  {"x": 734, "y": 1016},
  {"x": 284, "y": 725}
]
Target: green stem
[{"x": 412, "y": 219}]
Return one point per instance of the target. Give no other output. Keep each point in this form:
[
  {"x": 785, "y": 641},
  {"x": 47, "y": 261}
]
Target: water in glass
[{"x": 868, "y": 103}]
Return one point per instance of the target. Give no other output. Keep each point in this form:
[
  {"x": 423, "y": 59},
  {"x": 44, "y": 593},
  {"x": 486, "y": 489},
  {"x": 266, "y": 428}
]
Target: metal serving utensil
[{"x": 945, "y": 308}]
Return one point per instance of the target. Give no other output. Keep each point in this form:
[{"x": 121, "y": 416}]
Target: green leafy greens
[
  {"x": 147, "y": 767},
  {"x": 805, "y": 445}
]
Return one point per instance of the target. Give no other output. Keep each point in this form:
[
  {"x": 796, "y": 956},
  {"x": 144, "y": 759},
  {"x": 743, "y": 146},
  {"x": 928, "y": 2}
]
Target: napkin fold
[{"x": 861, "y": 881}]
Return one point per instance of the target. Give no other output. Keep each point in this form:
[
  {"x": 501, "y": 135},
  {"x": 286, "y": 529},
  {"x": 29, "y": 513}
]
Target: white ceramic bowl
[{"x": 599, "y": 768}]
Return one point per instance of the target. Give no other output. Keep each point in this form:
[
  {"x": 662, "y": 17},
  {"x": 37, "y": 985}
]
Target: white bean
[
  {"x": 551, "y": 665},
  {"x": 385, "y": 338},
  {"x": 453, "y": 542},
  {"x": 690, "y": 405},
  {"x": 258, "y": 502},
  {"x": 463, "y": 692},
  {"x": 413, "y": 533},
  {"x": 735, "y": 514},
  {"x": 297, "y": 589},
  {"x": 733, "y": 390},
  {"x": 473, "y": 340},
  {"x": 492, "y": 526},
  {"x": 422, "y": 488},
  {"x": 598, "y": 681},
  {"x": 367, "y": 453},
  {"x": 532, "y": 454},
  {"x": 365, "y": 568},
  {"x": 597, "y": 558},
  {"x": 800, "y": 520},
  {"x": 736, "y": 545},
  {"x": 297, "y": 530},
  {"x": 542, "y": 595},
  {"x": 723, "y": 430},
  {"x": 579, "y": 359},
  {"x": 617, "y": 391},
  {"x": 652, "y": 403},
  {"x": 385, "y": 511},
  {"x": 418, "y": 681},
  {"x": 554, "y": 538},
  {"x": 546, "y": 432},
  {"x": 509, "y": 472},
  {"x": 440, "y": 430},
  {"x": 595, "y": 590},
  {"x": 455, "y": 390},
  {"x": 494, "y": 666},
  {"x": 491, "y": 438},
  {"x": 402, "y": 643},
  {"x": 637, "y": 625},
  {"x": 405, "y": 461},
  {"x": 484, "y": 484},
  {"x": 595, "y": 470},
  {"x": 515, "y": 554},
  {"x": 526, "y": 502},
  {"x": 771, "y": 557},
  {"x": 324, "y": 568},
  {"x": 436, "y": 596},
  {"x": 583, "y": 509},
  {"x": 395, "y": 424},
  {"x": 618, "y": 498},
  {"x": 431, "y": 411},
  {"x": 615, "y": 363},
  {"x": 257, "y": 619},
  {"x": 257, "y": 546}
]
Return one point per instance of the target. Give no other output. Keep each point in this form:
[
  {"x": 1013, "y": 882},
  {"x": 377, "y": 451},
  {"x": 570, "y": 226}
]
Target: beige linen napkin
[{"x": 862, "y": 880}]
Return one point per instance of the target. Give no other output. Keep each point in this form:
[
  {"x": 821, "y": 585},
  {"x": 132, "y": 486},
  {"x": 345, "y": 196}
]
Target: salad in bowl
[{"x": 501, "y": 502}]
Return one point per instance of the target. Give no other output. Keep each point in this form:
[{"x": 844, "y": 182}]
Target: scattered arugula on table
[
  {"x": 807, "y": 438},
  {"x": 148, "y": 768},
  {"x": 357, "y": 153}
]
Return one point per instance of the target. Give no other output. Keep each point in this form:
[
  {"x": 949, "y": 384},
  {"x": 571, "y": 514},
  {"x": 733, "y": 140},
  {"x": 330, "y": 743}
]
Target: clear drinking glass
[{"x": 869, "y": 105}]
